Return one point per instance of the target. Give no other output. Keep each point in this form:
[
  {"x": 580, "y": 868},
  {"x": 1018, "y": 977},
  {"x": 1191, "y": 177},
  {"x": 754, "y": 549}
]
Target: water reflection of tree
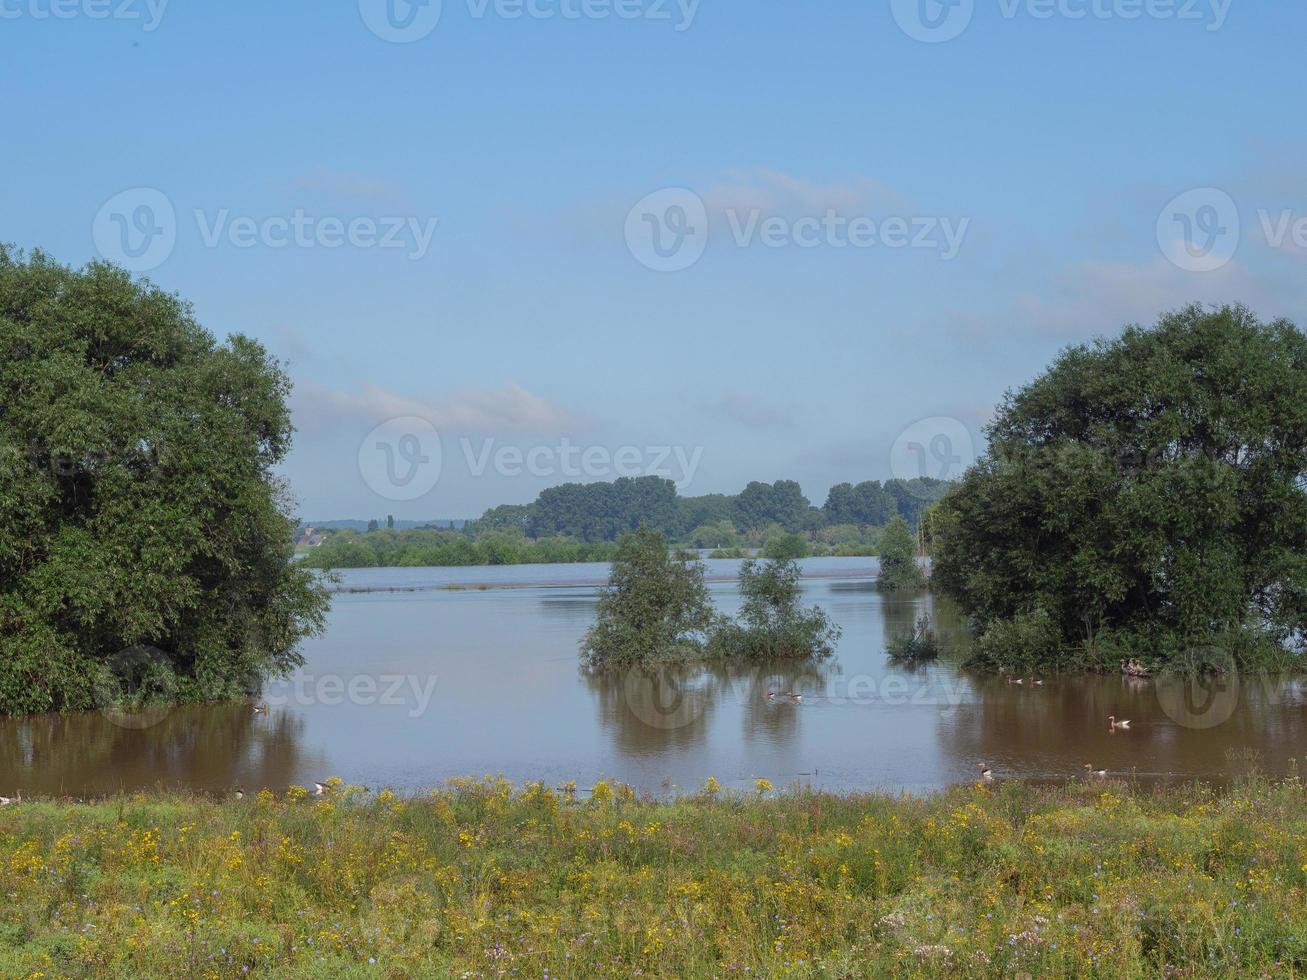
[
  {"x": 1053, "y": 730},
  {"x": 654, "y": 710},
  {"x": 206, "y": 747},
  {"x": 901, "y": 614}
]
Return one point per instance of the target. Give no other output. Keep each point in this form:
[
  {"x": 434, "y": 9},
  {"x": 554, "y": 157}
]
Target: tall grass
[{"x": 482, "y": 879}]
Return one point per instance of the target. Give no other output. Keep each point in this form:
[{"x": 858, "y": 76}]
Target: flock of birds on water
[{"x": 1114, "y": 725}]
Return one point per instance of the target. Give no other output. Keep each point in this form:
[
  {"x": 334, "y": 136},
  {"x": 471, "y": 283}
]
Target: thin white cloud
[
  {"x": 1099, "y": 298},
  {"x": 749, "y": 412},
  {"x": 347, "y": 186},
  {"x": 509, "y": 409},
  {"x": 777, "y": 193}
]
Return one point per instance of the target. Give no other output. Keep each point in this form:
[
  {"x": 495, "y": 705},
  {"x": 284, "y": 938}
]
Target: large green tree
[
  {"x": 138, "y": 506},
  {"x": 1146, "y": 494},
  {"x": 654, "y": 609}
]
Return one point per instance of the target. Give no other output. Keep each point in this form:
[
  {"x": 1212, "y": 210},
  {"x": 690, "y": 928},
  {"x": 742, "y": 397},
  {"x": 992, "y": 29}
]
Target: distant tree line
[
  {"x": 596, "y": 512},
  {"x": 580, "y": 522}
]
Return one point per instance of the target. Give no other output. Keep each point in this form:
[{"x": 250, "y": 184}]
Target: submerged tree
[
  {"x": 772, "y": 624},
  {"x": 143, "y": 535},
  {"x": 1147, "y": 494},
  {"x": 899, "y": 571},
  {"x": 654, "y": 609}
]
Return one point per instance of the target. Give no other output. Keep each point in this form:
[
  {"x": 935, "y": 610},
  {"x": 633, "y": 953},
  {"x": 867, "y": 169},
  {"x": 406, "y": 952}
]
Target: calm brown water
[{"x": 410, "y": 687}]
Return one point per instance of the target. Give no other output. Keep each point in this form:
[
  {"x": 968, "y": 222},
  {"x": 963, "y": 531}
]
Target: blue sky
[{"x": 502, "y": 155}]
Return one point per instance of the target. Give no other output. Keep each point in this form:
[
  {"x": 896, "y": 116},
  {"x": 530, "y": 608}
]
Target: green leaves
[
  {"x": 1151, "y": 486},
  {"x": 137, "y": 501}
]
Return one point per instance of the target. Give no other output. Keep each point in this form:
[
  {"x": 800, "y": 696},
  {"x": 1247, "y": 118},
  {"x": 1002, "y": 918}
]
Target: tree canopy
[
  {"x": 138, "y": 506},
  {"x": 654, "y": 609},
  {"x": 899, "y": 571},
  {"x": 1146, "y": 494}
]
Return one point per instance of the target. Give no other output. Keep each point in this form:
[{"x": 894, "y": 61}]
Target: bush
[
  {"x": 771, "y": 624},
  {"x": 899, "y": 571},
  {"x": 1026, "y": 641},
  {"x": 785, "y": 547},
  {"x": 918, "y": 645},
  {"x": 655, "y": 608}
]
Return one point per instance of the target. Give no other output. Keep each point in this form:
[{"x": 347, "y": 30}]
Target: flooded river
[{"x": 429, "y": 673}]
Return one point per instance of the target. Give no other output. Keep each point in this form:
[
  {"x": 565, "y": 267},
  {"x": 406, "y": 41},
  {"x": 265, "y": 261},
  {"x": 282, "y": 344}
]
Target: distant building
[{"x": 309, "y": 538}]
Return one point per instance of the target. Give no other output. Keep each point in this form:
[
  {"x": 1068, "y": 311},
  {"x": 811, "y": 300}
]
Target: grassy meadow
[{"x": 481, "y": 878}]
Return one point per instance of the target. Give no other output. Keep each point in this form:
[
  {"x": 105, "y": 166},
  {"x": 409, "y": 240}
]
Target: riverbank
[{"x": 1092, "y": 878}]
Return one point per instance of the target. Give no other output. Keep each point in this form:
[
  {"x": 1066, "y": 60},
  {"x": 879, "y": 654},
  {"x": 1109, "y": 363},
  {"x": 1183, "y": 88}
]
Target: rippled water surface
[{"x": 428, "y": 673}]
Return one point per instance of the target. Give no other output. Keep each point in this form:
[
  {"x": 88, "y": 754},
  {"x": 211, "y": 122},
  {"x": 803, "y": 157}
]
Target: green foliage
[
  {"x": 915, "y": 646},
  {"x": 761, "y": 504},
  {"x": 771, "y": 624},
  {"x": 719, "y": 534},
  {"x": 429, "y": 548},
  {"x": 1148, "y": 488},
  {"x": 506, "y": 517},
  {"x": 786, "y": 547},
  {"x": 655, "y": 608},
  {"x": 139, "y": 512},
  {"x": 604, "y": 511},
  {"x": 1027, "y": 641},
  {"x": 899, "y": 571}
]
